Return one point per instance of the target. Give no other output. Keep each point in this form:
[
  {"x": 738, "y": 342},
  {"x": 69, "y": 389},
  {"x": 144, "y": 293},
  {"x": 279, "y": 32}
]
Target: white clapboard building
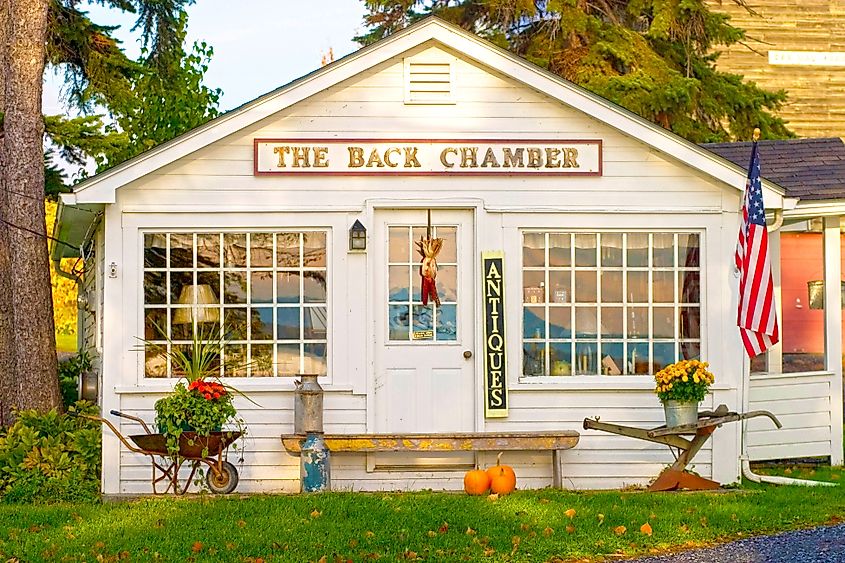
[{"x": 616, "y": 238}]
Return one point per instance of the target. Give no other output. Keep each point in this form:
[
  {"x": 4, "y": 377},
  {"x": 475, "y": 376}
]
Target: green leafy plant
[
  {"x": 51, "y": 457},
  {"x": 205, "y": 404},
  {"x": 685, "y": 381}
]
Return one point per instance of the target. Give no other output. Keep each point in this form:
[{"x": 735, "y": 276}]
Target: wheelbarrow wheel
[{"x": 223, "y": 481}]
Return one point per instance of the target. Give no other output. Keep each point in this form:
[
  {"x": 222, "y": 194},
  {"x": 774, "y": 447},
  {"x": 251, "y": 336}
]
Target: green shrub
[
  {"x": 52, "y": 457},
  {"x": 69, "y": 373}
]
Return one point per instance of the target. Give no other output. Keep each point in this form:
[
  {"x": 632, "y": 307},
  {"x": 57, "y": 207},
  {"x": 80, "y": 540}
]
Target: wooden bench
[{"x": 555, "y": 442}]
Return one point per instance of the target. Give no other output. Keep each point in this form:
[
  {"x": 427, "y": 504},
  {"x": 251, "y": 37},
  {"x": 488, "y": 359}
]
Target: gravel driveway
[{"x": 819, "y": 545}]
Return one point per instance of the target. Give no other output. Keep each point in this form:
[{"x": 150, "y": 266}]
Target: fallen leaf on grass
[
  {"x": 652, "y": 516},
  {"x": 316, "y": 513},
  {"x": 548, "y": 532},
  {"x": 601, "y": 519},
  {"x": 432, "y": 534},
  {"x": 515, "y": 543},
  {"x": 489, "y": 551},
  {"x": 493, "y": 497},
  {"x": 197, "y": 547},
  {"x": 544, "y": 501},
  {"x": 524, "y": 527},
  {"x": 353, "y": 543},
  {"x": 471, "y": 532},
  {"x": 619, "y": 530},
  {"x": 241, "y": 523},
  {"x": 570, "y": 529},
  {"x": 369, "y": 534},
  {"x": 646, "y": 529},
  {"x": 685, "y": 528},
  {"x": 443, "y": 528},
  {"x": 703, "y": 521},
  {"x": 570, "y": 513}
]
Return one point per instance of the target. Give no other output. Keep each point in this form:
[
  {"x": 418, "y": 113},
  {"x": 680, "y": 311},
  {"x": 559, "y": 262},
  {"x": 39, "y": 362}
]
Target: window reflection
[
  {"x": 193, "y": 280},
  {"x": 629, "y": 303},
  {"x": 407, "y": 318}
]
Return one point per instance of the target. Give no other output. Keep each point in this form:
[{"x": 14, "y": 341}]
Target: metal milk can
[{"x": 308, "y": 405}]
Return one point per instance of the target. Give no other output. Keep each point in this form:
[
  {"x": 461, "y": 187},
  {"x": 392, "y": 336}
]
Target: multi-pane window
[
  {"x": 609, "y": 303},
  {"x": 264, "y": 292},
  {"x": 408, "y": 318}
]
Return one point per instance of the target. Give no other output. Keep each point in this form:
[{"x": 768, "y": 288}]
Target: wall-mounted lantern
[
  {"x": 357, "y": 236},
  {"x": 815, "y": 294}
]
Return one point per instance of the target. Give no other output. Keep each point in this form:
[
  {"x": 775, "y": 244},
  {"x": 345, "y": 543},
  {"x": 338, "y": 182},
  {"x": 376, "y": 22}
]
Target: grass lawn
[{"x": 528, "y": 526}]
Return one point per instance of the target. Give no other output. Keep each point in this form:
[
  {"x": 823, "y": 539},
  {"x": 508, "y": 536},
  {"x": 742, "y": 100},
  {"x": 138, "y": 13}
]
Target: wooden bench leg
[{"x": 557, "y": 478}]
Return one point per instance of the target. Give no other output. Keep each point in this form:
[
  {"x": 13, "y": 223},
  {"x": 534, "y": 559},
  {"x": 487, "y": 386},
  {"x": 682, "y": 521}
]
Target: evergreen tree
[
  {"x": 654, "y": 57},
  {"x": 98, "y": 74}
]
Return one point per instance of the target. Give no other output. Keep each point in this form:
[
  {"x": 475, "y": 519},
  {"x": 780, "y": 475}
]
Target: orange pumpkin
[
  {"x": 476, "y": 482},
  {"x": 502, "y": 477}
]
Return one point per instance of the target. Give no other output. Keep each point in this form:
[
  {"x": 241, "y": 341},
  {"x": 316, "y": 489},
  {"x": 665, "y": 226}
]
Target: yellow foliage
[{"x": 64, "y": 290}]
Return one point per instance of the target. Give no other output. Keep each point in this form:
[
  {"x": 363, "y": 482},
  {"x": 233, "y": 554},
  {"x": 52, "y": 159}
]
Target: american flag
[{"x": 756, "y": 317}]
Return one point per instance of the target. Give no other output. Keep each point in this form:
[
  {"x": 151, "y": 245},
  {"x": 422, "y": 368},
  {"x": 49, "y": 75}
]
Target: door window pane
[{"x": 407, "y": 318}]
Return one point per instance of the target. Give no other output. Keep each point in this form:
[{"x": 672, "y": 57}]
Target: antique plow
[
  {"x": 222, "y": 476},
  {"x": 676, "y": 476}
]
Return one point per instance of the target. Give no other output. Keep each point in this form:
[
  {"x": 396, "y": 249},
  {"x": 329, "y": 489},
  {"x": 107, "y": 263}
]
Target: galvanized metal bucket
[{"x": 680, "y": 413}]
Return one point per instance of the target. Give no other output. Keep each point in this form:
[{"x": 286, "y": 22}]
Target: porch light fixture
[
  {"x": 815, "y": 294},
  {"x": 357, "y": 237}
]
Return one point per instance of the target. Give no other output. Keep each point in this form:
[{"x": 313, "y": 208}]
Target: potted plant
[
  {"x": 200, "y": 404},
  {"x": 680, "y": 387}
]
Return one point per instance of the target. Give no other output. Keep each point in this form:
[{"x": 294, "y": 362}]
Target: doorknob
[{"x": 467, "y": 354}]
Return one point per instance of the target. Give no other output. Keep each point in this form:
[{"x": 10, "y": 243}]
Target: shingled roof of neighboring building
[{"x": 809, "y": 169}]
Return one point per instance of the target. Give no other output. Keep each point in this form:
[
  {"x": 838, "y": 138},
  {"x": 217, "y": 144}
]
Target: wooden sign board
[
  {"x": 488, "y": 157},
  {"x": 495, "y": 364}
]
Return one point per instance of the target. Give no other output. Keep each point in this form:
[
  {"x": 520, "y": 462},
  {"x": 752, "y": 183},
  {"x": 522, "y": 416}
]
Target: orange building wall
[{"x": 802, "y": 260}]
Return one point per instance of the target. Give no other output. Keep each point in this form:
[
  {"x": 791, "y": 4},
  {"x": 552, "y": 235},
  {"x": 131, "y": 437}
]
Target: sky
[{"x": 259, "y": 45}]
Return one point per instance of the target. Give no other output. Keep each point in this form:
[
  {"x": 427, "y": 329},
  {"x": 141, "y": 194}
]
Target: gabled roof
[
  {"x": 101, "y": 188},
  {"x": 809, "y": 169}
]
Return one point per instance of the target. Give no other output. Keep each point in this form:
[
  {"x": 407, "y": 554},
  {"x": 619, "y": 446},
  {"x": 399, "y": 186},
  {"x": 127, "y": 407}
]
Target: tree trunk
[
  {"x": 9, "y": 385},
  {"x": 35, "y": 339}
]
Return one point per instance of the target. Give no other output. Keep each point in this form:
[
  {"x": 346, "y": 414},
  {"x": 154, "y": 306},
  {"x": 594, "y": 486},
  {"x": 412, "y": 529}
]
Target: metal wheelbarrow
[{"x": 222, "y": 476}]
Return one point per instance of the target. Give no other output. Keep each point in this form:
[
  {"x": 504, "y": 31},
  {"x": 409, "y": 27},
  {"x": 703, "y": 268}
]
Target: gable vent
[{"x": 429, "y": 82}]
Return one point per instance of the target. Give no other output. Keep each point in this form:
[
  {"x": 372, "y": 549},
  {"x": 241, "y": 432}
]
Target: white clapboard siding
[
  {"x": 802, "y": 404},
  {"x": 487, "y": 106}
]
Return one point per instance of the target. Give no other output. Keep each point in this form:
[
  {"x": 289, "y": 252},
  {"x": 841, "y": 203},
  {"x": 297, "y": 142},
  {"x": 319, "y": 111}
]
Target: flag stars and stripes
[{"x": 756, "y": 315}]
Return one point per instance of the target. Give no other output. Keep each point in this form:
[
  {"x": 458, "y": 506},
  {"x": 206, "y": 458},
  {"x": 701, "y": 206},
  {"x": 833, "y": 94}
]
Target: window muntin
[
  {"x": 609, "y": 303},
  {"x": 408, "y": 319},
  {"x": 266, "y": 291}
]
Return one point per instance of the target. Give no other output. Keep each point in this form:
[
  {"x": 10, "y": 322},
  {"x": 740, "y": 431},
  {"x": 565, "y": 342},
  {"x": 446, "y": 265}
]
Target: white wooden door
[{"x": 424, "y": 356}]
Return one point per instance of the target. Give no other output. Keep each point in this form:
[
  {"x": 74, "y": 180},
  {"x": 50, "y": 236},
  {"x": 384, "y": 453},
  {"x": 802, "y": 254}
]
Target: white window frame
[
  {"x": 598, "y": 378},
  {"x": 248, "y": 269}
]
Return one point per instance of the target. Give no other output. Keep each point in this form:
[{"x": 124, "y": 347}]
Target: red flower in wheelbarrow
[{"x": 209, "y": 389}]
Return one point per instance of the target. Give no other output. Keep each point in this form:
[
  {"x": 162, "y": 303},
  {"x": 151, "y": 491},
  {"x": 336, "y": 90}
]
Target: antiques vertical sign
[{"x": 495, "y": 379}]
